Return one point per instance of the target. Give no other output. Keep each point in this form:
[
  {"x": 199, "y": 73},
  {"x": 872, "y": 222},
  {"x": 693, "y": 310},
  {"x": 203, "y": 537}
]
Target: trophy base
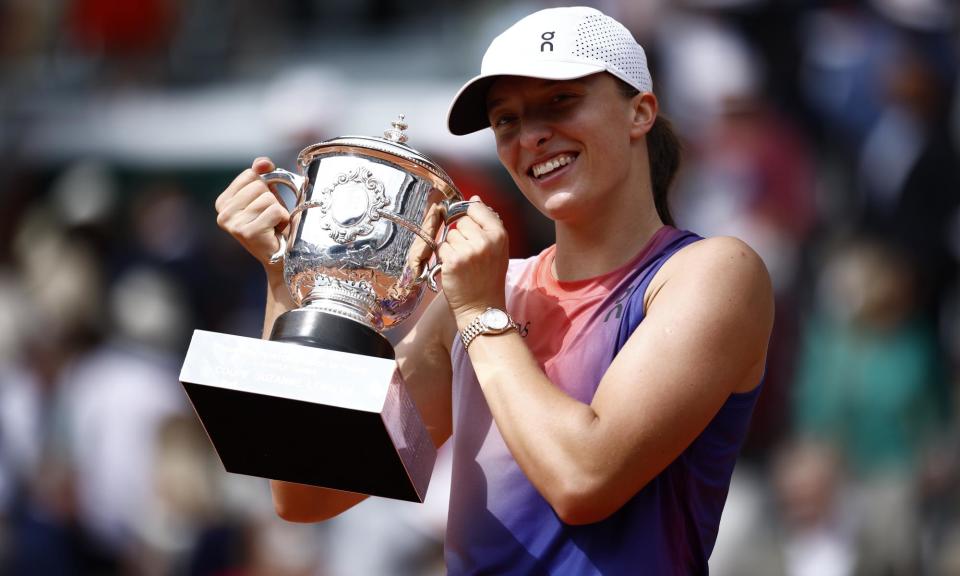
[
  {"x": 319, "y": 329},
  {"x": 309, "y": 415}
]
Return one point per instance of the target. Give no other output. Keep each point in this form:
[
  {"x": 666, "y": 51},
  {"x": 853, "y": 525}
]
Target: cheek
[
  {"x": 507, "y": 155},
  {"x": 614, "y": 144}
]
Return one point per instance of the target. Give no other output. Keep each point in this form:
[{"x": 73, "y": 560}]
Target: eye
[{"x": 503, "y": 121}]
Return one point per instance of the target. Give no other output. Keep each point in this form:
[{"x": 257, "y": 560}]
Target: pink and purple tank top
[{"x": 498, "y": 522}]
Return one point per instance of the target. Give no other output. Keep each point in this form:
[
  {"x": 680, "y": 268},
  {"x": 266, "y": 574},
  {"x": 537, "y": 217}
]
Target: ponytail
[
  {"x": 663, "y": 154},
  {"x": 663, "y": 151}
]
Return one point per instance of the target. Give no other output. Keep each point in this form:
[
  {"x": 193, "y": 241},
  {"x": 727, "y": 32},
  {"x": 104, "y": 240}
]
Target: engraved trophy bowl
[
  {"x": 322, "y": 402},
  {"x": 361, "y": 244}
]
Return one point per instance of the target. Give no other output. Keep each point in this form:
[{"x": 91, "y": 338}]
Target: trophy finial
[{"x": 396, "y": 134}]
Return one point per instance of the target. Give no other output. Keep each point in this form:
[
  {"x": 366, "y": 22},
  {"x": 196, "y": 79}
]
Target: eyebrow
[
  {"x": 543, "y": 84},
  {"x": 491, "y": 104}
]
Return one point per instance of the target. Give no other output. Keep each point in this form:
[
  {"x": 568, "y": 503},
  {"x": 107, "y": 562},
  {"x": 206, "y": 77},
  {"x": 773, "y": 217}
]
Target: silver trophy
[{"x": 322, "y": 402}]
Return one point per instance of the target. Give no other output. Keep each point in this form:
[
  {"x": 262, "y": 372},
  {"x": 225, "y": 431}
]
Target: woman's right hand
[{"x": 252, "y": 214}]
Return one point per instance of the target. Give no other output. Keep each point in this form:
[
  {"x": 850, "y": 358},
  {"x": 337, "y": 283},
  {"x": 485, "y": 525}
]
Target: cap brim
[{"x": 468, "y": 111}]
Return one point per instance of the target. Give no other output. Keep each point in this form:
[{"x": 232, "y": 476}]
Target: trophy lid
[{"x": 391, "y": 148}]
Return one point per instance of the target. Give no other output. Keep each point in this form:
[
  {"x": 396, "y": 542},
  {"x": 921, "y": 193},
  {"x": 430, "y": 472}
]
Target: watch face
[{"x": 495, "y": 319}]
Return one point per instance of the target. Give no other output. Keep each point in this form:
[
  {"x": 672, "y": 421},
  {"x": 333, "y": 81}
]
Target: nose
[{"x": 534, "y": 133}]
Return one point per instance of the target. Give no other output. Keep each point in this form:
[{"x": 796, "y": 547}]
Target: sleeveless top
[{"x": 499, "y": 524}]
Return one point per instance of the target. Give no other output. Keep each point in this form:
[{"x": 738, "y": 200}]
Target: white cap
[{"x": 553, "y": 44}]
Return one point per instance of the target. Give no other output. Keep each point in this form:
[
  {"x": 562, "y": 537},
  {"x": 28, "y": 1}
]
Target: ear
[{"x": 644, "y": 107}]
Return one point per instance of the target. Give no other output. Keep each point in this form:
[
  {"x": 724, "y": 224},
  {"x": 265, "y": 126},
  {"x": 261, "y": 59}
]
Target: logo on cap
[{"x": 546, "y": 37}]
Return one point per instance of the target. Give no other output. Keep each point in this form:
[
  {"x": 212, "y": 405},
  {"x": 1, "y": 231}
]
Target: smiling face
[{"x": 570, "y": 145}]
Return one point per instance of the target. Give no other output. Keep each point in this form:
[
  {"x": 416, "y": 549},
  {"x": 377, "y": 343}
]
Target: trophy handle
[
  {"x": 455, "y": 211},
  {"x": 292, "y": 181}
]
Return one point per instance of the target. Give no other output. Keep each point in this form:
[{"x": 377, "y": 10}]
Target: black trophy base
[
  {"x": 318, "y": 329},
  {"x": 309, "y": 415}
]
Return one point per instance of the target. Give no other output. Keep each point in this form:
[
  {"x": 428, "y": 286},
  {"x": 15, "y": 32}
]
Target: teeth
[{"x": 551, "y": 165}]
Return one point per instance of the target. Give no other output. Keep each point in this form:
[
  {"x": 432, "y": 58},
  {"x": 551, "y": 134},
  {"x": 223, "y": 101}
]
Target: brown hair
[{"x": 664, "y": 151}]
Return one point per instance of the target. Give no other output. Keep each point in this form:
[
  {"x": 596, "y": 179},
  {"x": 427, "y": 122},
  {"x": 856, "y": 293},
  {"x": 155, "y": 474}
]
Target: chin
[
  {"x": 561, "y": 209},
  {"x": 562, "y": 203}
]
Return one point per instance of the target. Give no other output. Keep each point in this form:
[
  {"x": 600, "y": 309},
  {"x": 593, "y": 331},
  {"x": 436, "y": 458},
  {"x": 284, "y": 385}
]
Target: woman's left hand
[{"x": 475, "y": 256}]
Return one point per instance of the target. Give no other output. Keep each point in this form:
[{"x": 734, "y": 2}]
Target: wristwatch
[{"x": 490, "y": 321}]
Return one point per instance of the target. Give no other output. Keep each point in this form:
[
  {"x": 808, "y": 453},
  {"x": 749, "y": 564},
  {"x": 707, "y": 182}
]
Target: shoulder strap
[{"x": 633, "y": 310}]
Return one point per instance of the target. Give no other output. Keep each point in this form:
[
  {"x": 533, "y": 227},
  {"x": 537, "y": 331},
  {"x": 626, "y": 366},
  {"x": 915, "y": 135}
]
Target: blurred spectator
[
  {"x": 85, "y": 194},
  {"x": 883, "y": 95},
  {"x": 909, "y": 173},
  {"x": 163, "y": 228},
  {"x": 180, "y": 496},
  {"x": 808, "y": 527},
  {"x": 843, "y": 46},
  {"x": 61, "y": 284},
  {"x": 871, "y": 384},
  {"x": 870, "y": 379},
  {"x": 116, "y": 398}
]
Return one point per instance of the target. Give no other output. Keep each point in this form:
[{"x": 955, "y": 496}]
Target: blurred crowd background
[{"x": 825, "y": 133}]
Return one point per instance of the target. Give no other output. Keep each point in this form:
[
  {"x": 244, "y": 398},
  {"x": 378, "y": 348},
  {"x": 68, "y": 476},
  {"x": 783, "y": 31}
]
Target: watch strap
[{"x": 476, "y": 327}]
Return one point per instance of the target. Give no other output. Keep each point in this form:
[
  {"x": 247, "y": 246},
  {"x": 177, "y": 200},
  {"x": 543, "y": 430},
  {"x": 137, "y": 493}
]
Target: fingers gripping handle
[
  {"x": 292, "y": 181},
  {"x": 455, "y": 211}
]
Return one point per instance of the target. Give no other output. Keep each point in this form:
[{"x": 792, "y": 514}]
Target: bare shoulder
[
  {"x": 721, "y": 267},
  {"x": 720, "y": 246},
  {"x": 724, "y": 285}
]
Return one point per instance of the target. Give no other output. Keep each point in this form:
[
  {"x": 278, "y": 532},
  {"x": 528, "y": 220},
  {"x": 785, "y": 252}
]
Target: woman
[{"x": 600, "y": 390}]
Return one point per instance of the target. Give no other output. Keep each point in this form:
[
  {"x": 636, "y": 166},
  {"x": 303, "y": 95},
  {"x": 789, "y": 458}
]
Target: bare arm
[
  {"x": 251, "y": 214},
  {"x": 704, "y": 337}
]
